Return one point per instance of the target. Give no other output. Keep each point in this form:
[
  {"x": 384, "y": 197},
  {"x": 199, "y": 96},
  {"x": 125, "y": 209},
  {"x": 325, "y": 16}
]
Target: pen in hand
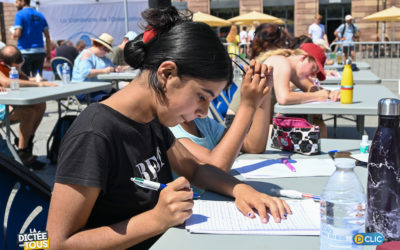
[
  {"x": 287, "y": 164},
  {"x": 316, "y": 82},
  {"x": 153, "y": 185}
]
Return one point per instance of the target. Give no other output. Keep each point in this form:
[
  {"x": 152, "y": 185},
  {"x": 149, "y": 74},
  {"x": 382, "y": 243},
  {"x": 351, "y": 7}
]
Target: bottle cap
[
  {"x": 365, "y": 138},
  {"x": 389, "y": 107},
  {"x": 345, "y": 162},
  {"x": 348, "y": 61}
]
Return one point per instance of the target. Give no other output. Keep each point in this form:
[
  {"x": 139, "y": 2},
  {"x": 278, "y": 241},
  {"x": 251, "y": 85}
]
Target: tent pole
[
  {"x": 126, "y": 16},
  {"x": 383, "y": 31}
]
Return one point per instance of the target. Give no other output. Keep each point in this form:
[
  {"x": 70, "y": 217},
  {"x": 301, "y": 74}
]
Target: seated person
[
  {"x": 67, "y": 50},
  {"x": 211, "y": 143},
  {"x": 117, "y": 53},
  {"x": 299, "y": 67},
  {"x": 29, "y": 116},
  {"x": 92, "y": 62}
]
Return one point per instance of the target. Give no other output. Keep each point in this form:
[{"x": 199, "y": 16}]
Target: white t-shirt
[
  {"x": 316, "y": 31},
  {"x": 251, "y": 34},
  {"x": 243, "y": 36}
]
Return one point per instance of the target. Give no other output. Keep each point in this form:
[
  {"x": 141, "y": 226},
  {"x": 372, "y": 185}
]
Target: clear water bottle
[
  {"x": 342, "y": 208},
  {"x": 66, "y": 74},
  {"x": 14, "y": 77},
  {"x": 383, "y": 190}
]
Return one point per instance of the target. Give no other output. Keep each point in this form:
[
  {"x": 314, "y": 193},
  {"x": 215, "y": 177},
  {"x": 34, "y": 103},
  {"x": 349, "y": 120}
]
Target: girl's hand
[
  {"x": 249, "y": 201},
  {"x": 175, "y": 203},
  {"x": 334, "y": 95},
  {"x": 256, "y": 83},
  {"x": 108, "y": 70}
]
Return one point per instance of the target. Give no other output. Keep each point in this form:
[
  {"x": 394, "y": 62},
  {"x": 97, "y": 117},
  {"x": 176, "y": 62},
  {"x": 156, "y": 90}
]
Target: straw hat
[{"x": 104, "y": 39}]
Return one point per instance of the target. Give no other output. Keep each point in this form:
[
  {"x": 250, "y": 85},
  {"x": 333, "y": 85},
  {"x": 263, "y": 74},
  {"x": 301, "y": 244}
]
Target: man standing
[
  {"x": 29, "y": 116},
  {"x": 346, "y": 33},
  {"x": 29, "y": 26},
  {"x": 316, "y": 30}
]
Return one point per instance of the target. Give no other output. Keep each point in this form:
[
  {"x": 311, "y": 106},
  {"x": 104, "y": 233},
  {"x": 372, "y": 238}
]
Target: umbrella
[
  {"x": 210, "y": 19},
  {"x": 389, "y": 14},
  {"x": 254, "y": 16}
]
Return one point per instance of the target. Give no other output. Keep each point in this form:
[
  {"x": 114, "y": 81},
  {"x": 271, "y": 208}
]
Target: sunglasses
[{"x": 105, "y": 49}]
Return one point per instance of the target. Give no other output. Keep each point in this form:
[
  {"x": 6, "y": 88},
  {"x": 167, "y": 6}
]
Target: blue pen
[
  {"x": 153, "y": 185},
  {"x": 316, "y": 82}
]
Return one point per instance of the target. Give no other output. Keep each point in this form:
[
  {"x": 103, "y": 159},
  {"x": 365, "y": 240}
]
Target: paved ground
[{"x": 346, "y": 129}]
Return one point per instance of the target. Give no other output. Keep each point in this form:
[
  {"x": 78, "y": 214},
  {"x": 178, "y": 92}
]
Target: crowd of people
[{"x": 156, "y": 127}]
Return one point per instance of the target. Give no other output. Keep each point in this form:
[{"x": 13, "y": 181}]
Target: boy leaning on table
[{"x": 29, "y": 116}]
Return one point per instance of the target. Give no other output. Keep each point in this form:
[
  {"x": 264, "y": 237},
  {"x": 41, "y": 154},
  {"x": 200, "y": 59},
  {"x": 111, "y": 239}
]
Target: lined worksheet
[
  {"x": 223, "y": 217},
  {"x": 274, "y": 168}
]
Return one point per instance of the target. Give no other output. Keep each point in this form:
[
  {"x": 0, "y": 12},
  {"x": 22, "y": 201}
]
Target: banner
[{"x": 88, "y": 20}]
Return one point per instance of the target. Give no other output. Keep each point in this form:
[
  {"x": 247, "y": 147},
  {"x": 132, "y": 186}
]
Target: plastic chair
[
  {"x": 24, "y": 202},
  {"x": 220, "y": 105},
  {"x": 56, "y": 66}
]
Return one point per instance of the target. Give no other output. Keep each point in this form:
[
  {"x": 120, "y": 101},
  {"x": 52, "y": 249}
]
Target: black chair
[{"x": 24, "y": 202}]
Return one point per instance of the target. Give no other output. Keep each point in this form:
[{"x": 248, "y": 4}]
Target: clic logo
[{"x": 368, "y": 239}]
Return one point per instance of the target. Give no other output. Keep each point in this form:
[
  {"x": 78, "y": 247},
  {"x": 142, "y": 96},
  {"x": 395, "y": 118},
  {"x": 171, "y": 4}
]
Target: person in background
[
  {"x": 29, "y": 116},
  {"x": 269, "y": 37},
  {"x": 233, "y": 39},
  {"x": 117, "y": 53},
  {"x": 80, "y": 45},
  {"x": 92, "y": 62},
  {"x": 243, "y": 40},
  {"x": 67, "y": 50},
  {"x": 317, "y": 30},
  {"x": 299, "y": 67},
  {"x": 94, "y": 203},
  {"x": 47, "y": 62},
  {"x": 30, "y": 26},
  {"x": 347, "y": 33},
  {"x": 323, "y": 45}
]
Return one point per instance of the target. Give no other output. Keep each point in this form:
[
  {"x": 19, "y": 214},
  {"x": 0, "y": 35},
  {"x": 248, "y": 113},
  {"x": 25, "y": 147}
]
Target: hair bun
[
  {"x": 135, "y": 52},
  {"x": 163, "y": 19}
]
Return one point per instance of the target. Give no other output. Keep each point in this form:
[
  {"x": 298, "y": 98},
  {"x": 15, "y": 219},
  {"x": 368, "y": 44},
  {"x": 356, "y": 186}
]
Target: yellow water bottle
[{"x": 346, "y": 88}]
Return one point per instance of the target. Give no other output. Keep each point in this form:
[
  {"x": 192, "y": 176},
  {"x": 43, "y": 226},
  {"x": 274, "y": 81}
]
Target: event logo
[
  {"x": 368, "y": 239},
  {"x": 34, "y": 240}
]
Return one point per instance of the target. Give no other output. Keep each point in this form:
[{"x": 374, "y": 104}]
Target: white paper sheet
[
  {"x": 223, "y": 217},
  {"x": 274, "y": 168}
]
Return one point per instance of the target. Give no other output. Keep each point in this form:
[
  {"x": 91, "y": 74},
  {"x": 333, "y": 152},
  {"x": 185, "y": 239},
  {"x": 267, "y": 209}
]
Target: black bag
[{"x": 56, "y": 136}]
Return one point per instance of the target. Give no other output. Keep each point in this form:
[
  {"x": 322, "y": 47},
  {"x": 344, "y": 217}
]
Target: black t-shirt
[
  {"x": 68, "y": 52},
  {"x": 104, "y": 149}
]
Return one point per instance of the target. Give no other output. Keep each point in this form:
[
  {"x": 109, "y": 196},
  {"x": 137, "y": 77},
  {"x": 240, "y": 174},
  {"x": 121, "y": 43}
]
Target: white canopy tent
[{"x": 83, "y": 19}]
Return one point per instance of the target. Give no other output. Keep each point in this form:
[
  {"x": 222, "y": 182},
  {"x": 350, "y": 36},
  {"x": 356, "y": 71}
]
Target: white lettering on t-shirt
[{"x": 151, "y": 166}]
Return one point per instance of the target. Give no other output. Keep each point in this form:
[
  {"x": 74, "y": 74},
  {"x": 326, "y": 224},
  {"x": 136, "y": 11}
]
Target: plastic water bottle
[
  {"x": 342, "y": 208},
  {"x": 14, "y": 77},
  {"x": 346, "y": 85},
  {"x": 364, "y": 145},
  {"x": 37, "y": 77},
  {"x": 339, "y": 56},
  {"x": 383, "y": 208},
  {"x": 66, "y": 73}
]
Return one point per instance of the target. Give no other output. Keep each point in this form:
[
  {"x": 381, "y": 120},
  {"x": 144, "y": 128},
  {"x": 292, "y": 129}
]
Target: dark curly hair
[
  {"x": 194, "y": 47},
  {"x": 269, "y": 36}
]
